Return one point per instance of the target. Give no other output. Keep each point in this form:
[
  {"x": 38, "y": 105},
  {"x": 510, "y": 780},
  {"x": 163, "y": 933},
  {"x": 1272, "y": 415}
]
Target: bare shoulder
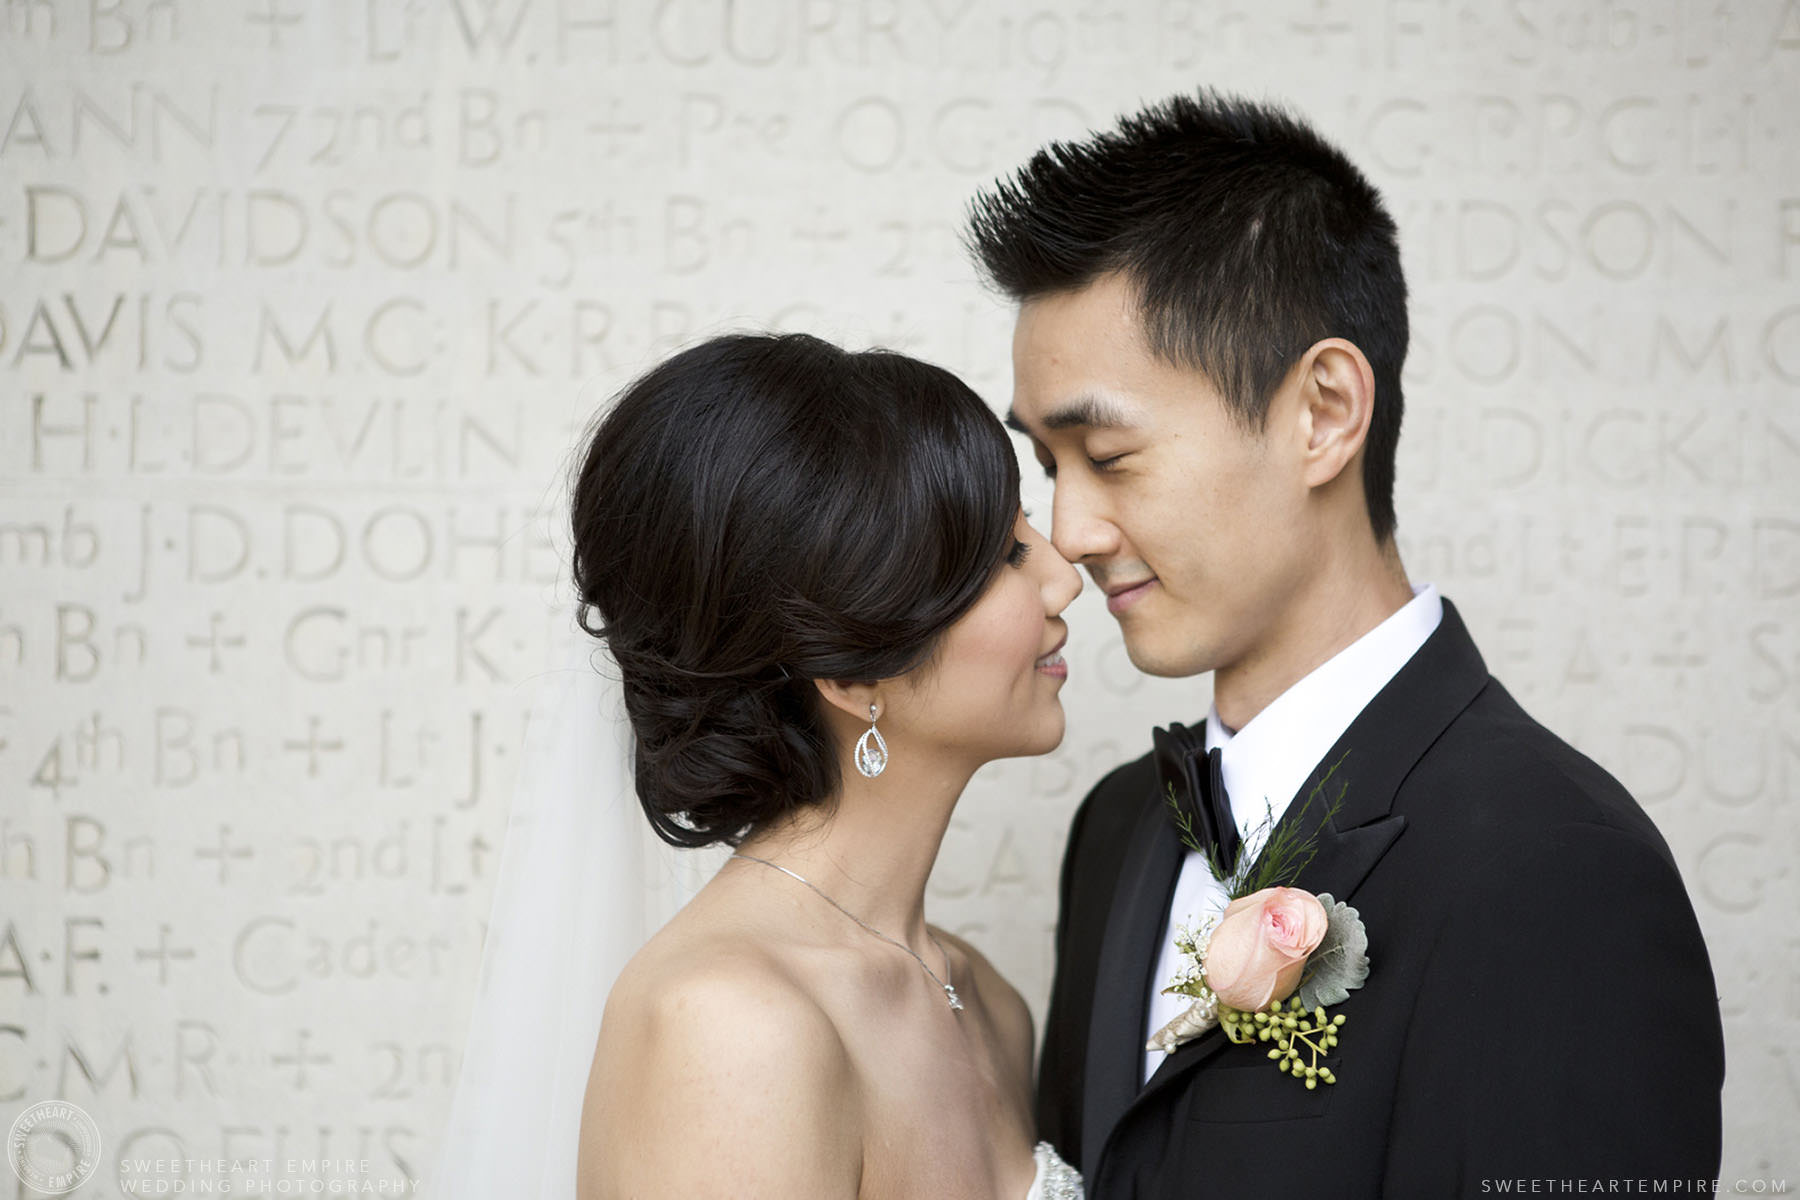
[
  {"x": 1004, "y": 1006},
  {"x": 717, "y": 1073}
]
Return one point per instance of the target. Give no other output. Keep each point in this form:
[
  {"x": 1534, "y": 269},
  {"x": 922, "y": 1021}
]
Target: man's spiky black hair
[{"x": 1246, "y": 235}]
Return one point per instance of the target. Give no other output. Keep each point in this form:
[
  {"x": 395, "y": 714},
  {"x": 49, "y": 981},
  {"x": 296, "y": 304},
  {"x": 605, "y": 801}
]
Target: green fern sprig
[
  {"x": 1184, "y": 824},
  {"x": 1284, "y": 855}
]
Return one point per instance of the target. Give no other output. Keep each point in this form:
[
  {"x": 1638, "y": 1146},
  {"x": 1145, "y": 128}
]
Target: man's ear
[
  {"x": 850, "y": 696},
  {"x": 1337, "y": 401}
]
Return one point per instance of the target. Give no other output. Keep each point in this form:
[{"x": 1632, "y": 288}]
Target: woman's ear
[{"x": 850, "y": 697}]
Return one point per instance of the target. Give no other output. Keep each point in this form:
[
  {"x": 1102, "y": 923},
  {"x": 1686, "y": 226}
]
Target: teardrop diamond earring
[{"x": 871, "y": 750}]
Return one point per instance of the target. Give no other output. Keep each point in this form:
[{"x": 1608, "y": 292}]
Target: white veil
[{"x": 582, "y": 882}]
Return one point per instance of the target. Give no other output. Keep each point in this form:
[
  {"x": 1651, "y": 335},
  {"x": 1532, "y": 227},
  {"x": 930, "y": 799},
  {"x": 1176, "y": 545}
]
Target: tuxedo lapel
[
  {"x": 1387, "y": 739},
  {"x": 1346, "y": 856},
  {"x": 1116, "y": 1035}
]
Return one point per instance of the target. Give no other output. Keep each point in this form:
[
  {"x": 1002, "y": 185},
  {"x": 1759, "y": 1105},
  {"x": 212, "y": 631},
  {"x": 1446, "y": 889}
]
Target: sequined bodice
[{"x": 1056, "y": 1179}]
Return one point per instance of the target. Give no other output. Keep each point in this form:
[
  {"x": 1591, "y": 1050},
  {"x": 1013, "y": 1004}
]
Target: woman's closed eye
[{"x": 1017, "y": 555}]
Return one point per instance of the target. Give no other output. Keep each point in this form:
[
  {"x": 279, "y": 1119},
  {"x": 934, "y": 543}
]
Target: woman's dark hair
[
  {"x": 761, "y": 511},
  {"x": 1247, "y": 236}
]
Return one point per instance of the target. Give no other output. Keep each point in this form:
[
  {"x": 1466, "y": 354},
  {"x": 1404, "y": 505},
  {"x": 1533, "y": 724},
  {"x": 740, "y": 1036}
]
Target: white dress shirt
[{"x": 1265, "y": 763}]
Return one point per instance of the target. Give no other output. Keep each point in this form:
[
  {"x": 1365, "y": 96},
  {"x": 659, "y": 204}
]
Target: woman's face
[{"x": 991, "y": 689}]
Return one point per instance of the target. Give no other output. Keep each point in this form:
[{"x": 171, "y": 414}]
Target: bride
[{"x": 827, "y": 611}]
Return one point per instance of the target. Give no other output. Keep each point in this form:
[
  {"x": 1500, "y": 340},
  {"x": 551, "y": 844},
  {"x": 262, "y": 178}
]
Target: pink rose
[{"x": 1259, "y": 948}]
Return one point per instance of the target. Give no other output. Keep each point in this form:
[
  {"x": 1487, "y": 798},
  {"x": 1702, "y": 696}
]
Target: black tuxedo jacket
[{"x": 1540, "y": 1005}]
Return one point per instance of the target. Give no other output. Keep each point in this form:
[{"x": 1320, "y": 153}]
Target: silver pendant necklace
[{"x": 956, "y": 1003}]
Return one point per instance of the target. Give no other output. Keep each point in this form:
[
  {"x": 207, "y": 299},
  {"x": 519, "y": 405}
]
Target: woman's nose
[{"x": 1063, "y": 584}]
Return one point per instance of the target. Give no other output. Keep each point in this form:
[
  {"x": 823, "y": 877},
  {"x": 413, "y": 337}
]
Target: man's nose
[{"x": 1079, "y": 528}]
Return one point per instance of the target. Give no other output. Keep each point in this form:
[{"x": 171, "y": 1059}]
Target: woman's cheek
[{"x": 1025, "y": 634}]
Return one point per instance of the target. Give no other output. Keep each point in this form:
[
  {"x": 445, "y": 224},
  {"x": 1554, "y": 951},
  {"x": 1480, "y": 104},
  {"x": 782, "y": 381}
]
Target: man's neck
[{"x": 1334, "y": 611}]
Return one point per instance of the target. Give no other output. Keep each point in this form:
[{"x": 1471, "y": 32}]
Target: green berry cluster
[{"x": 1300, "y": 1037}]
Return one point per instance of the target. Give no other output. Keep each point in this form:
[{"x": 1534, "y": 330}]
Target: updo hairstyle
[{"x": 761, "y": 511}]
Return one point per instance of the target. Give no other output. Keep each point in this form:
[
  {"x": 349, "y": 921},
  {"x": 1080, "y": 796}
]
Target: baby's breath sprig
[{"x": 1190, "y": 978}]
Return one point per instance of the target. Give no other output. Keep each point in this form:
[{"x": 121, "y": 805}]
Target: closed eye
[
  {"x": 1017, "y": 555},
  {"x": 1096, "y": 464}
]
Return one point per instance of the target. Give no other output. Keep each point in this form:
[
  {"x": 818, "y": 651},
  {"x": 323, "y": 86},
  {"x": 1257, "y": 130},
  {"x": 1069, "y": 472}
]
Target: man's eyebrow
[{"x": 1083, "y": 412}]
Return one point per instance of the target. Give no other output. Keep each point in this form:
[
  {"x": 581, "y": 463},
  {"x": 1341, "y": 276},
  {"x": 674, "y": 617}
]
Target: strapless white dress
[{"x": 1055, "y": 1179}]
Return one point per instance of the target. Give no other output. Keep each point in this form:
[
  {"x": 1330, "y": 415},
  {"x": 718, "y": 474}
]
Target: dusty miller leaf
[{"x": 1341, "y": 963}]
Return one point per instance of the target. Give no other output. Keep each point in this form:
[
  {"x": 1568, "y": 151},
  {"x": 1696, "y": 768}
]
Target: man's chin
[{"x": 1164, "y": 661}]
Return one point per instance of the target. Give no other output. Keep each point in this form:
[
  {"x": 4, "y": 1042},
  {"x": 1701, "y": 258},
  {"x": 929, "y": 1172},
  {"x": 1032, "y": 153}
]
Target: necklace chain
[{"x": 949, "y": 992}]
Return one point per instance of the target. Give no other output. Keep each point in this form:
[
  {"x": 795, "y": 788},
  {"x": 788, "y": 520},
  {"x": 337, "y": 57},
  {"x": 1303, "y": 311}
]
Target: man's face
[{"x": 1195, "y": 529}]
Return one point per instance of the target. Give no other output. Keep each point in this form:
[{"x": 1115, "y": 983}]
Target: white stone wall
[{"x": 301, "y": 305}]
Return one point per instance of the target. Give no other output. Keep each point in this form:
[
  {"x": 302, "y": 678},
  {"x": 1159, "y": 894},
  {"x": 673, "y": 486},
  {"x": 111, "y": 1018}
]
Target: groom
[{"x": 1207, "y": 359}]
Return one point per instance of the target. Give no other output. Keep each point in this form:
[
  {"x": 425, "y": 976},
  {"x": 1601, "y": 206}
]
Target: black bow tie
[{"x": 1182, "y": 761}]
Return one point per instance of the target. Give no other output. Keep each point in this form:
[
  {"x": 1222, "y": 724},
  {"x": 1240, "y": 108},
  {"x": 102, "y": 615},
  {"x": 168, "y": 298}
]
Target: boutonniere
[{"x": 1278, "y": 956}]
